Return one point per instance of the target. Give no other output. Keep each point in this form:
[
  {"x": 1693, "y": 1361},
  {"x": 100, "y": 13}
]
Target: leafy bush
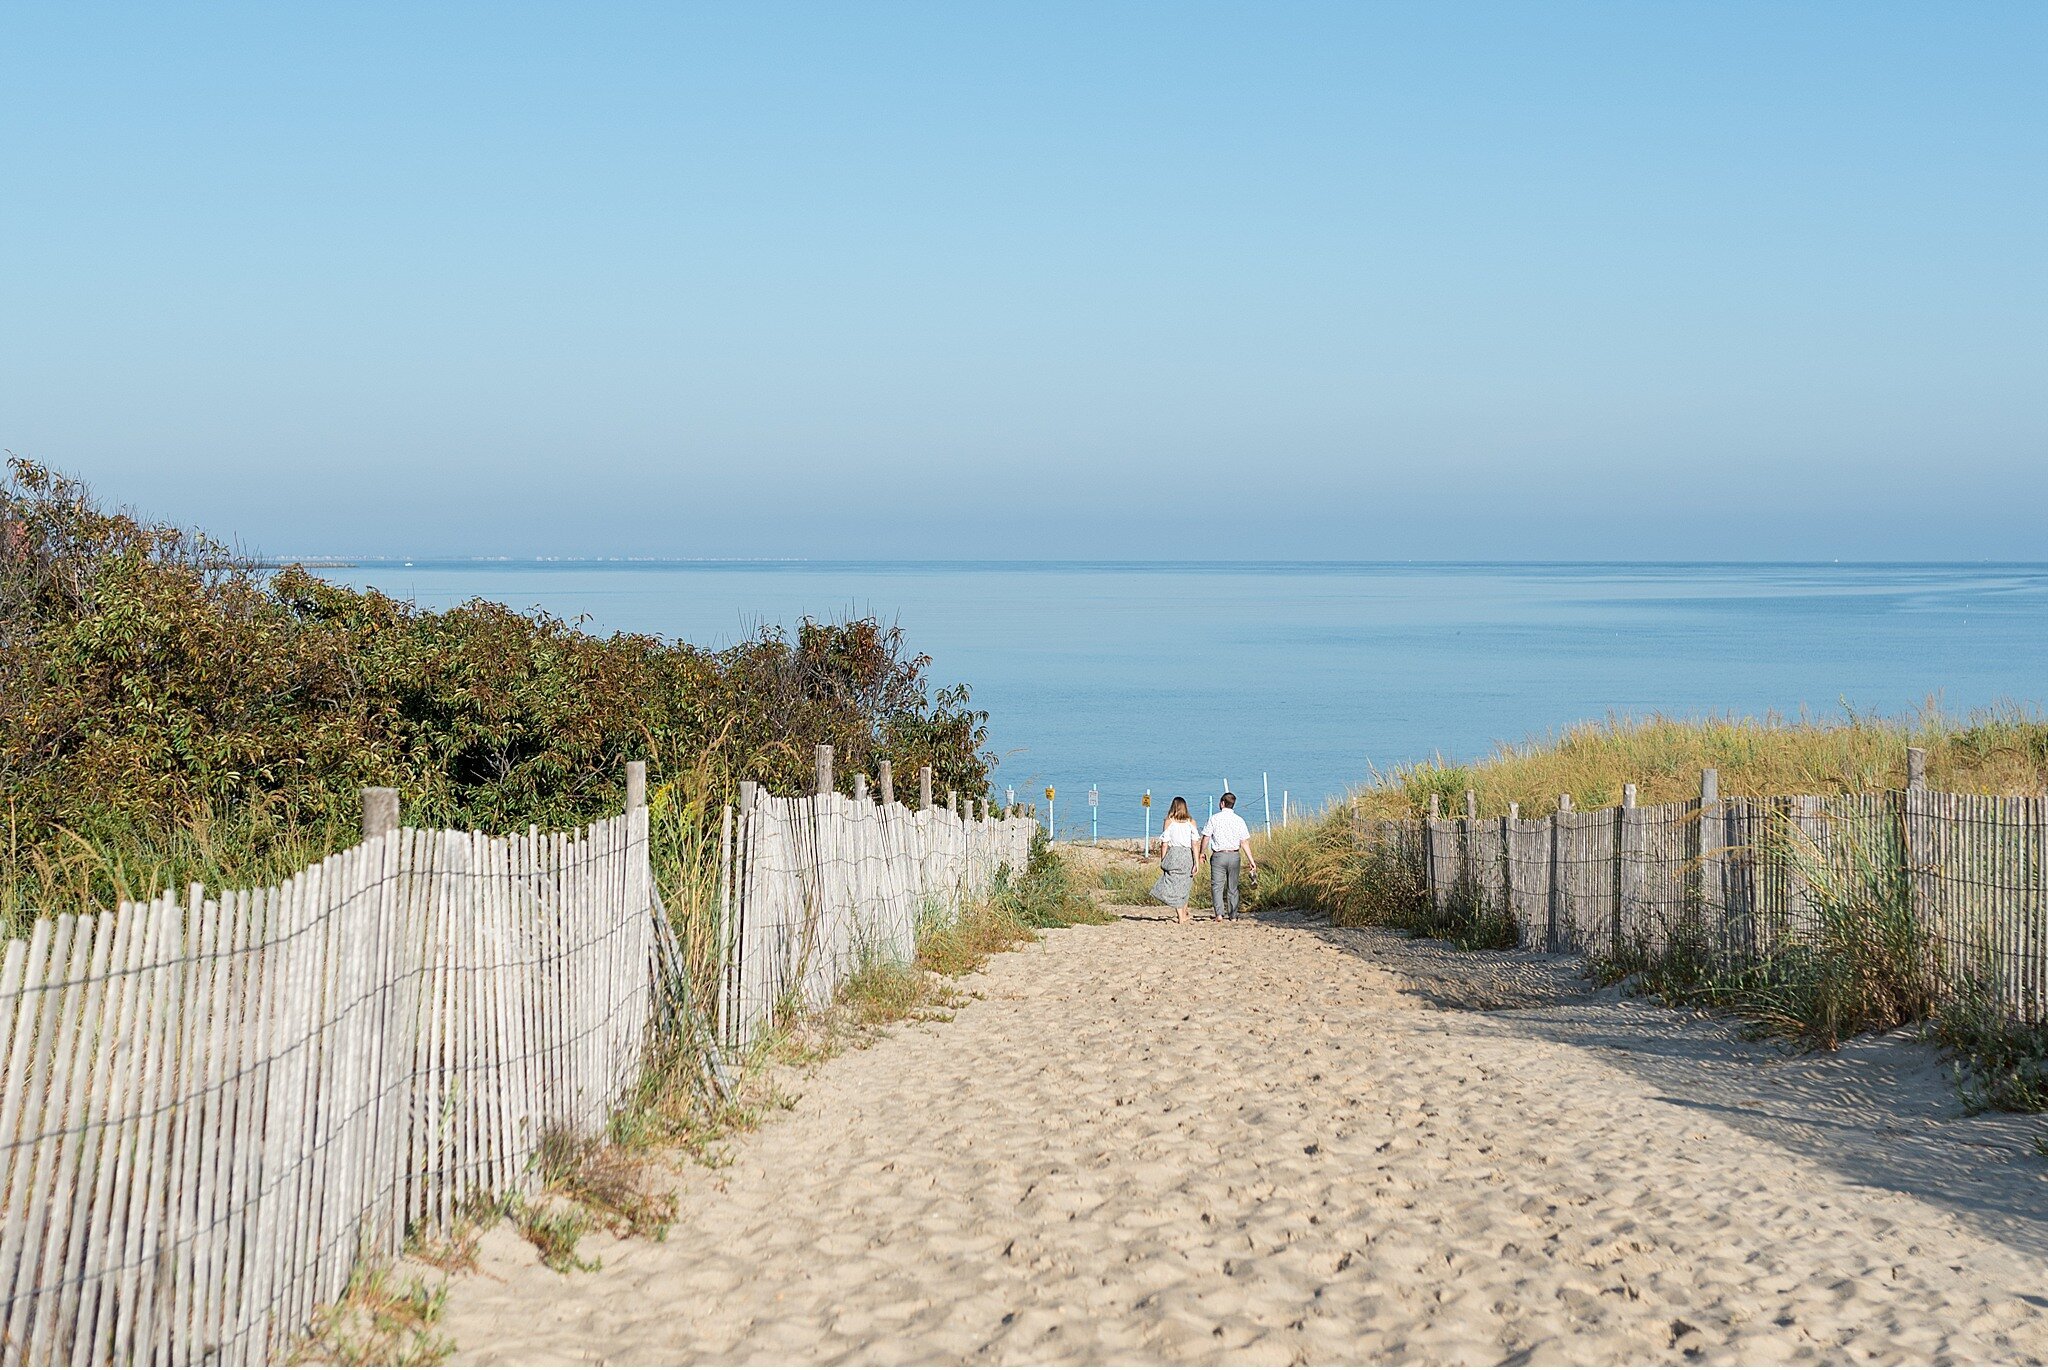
[{"x": 169, "y": 711}]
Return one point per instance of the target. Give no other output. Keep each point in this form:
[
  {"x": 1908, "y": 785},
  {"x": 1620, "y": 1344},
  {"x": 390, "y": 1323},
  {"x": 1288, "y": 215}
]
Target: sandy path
[{"x": 1249, "y": 1143}]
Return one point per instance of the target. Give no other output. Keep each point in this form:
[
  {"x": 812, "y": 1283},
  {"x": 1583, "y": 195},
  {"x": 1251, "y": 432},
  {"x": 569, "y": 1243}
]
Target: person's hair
[
  {"x": 1229, "y": 800},
  {"x": 1178, "y": 809}
]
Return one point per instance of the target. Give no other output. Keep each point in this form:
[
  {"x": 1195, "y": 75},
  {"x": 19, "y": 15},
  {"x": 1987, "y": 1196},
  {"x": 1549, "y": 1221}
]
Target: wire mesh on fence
[
  {"x": 816, "y": 885},
  {"x": 1738, "y": 881},
  {"x": 213, "y": 1108}
]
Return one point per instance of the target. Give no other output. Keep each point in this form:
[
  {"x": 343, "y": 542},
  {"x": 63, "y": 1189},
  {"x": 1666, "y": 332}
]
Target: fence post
[
  {"x": 1428, "y": 850},
  {"x": 1623, "y": 824},
  {"x": 860, "y": 786},
  {"x": 749, "y": 791},
  {"x": 636, "y": 785},
  {"x": 887, "y": 775},
  {"x": 1560, "y": 874},
  {"x": 1711, "y": 904},
  {"x": 1914, "y": 846},
  {"x": 924, "y": 788},
  {"x": 1468, "y": 858},
  {"x": 824, "y": 759},
  {"x": 1507, "y": 867},
  {"x": 380, "y": 811}
]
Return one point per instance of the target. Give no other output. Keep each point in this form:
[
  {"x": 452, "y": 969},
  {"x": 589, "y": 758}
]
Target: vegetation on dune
[
  {"x": 2000, "y": 751},
  {"x": 171, "y": 712},
  {"x": 1860, "y": 964},
  {"x": 1862, "y": 961}
]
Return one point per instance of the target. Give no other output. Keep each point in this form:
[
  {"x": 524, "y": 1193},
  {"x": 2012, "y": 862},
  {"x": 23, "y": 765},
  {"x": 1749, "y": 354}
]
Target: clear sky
[{"x": 1123, "y": 280}]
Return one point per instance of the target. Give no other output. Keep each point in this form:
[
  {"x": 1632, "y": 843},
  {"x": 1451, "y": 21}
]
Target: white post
[
  {"x": 1266, "y": 784},
  {"x": 1284, "y": 819},
  {"x": 823, "y": 757},
  {"x": 380, "y": 810},
  {"x": 636, "y": 785}
]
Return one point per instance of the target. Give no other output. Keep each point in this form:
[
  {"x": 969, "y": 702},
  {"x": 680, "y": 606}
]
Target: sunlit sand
[{"x": 1275, "y": 1142}]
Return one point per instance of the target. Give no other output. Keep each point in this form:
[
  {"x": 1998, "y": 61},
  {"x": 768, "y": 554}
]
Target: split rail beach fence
[
  {"x": 815, "y": 886},
  {"x": 1739, "y": 881}
]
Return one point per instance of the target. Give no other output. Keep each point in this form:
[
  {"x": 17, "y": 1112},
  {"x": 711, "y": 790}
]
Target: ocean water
[{"x": 1303, "y": 677}]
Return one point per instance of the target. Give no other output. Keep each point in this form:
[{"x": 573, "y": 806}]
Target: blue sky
[{"x": 1182, "y": 280}]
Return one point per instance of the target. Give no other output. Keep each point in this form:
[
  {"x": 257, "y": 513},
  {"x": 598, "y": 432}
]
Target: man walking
[{"x": 1228, "y": 842}]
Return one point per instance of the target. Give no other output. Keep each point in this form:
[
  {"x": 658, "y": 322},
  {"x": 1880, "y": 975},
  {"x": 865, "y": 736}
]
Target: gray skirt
[{"x": 1176, "y": 876}]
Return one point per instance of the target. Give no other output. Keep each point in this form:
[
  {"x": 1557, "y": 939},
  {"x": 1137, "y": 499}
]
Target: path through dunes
[{"x": 1250, "y": 1142}]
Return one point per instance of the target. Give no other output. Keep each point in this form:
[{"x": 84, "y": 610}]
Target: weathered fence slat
[
  {"x": 1735, "y": 879},
  {"x": 816, "y": 884},
  {"x": 212, "y": 1108}
]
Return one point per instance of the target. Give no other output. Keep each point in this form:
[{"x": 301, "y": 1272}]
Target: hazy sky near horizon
[{"x": 1338, "y": 280}]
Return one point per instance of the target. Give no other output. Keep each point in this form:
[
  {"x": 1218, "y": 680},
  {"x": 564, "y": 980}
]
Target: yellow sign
[
  {"x": 1048, "y": 794},
  {"x": 1147, "y": 800}
]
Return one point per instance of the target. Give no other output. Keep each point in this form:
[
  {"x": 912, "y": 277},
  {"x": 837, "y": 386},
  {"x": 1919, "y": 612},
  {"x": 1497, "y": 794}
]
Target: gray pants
[{"x": 1223, "y": 882}]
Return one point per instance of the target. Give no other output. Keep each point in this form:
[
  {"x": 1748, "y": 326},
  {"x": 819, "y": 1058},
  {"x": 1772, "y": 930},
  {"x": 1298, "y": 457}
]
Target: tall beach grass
[
  {"x": 1859, "y": 962},
  {"x": 1994, "y": 751}
]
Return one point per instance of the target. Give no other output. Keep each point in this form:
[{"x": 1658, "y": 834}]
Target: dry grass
[
  {"x": 383, "y": 1319},
  {"x": 2002, "y": 751},
  {"x": 883, "y": 992},
  {"x": 1126, "y": 882}
]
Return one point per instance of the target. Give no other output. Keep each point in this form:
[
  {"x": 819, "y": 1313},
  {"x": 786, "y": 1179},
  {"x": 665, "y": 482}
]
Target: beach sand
[{"x": 1275, "y": 1142}]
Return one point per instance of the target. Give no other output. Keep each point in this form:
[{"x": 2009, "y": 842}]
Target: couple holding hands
[{"x": 1227, "y": 842}]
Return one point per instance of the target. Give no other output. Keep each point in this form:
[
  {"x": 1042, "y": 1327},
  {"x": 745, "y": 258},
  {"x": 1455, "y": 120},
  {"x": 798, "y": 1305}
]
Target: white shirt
[
  {"x": 1181, "y": 832},
  {"x": 1226, "y": 831}
]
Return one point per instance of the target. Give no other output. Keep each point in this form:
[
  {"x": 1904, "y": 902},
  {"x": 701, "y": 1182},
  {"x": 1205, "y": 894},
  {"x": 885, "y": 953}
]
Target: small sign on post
[
  {"x": 1145, "y": 805},
  {"x": 1050, "y": 831}
]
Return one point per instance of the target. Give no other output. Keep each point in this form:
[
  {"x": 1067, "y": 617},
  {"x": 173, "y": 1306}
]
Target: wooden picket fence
[
  {"x": 215, "y": 1107},
  {"x": 815, "y": 885},
  {"x": 1734, "y": 879}
]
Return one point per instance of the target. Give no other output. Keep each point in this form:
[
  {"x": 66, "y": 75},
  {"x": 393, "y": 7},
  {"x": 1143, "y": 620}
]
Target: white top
[
  {"x": 1181, "y": 832},
  {"x": 1226, "y": 831}
]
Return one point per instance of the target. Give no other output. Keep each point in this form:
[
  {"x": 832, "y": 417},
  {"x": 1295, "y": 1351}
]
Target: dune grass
[
  {"x": 1996, "y": 751},
  {"x": 1861, "y": 965},
  {"x": 1045, "y": 894},
  {"x": 2001, "y": 1065}
]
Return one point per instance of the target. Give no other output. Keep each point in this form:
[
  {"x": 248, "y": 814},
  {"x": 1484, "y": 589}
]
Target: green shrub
[{"x": 170, "y": 712}]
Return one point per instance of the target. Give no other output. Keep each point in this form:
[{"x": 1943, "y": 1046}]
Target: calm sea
[{"x": 1304, "y": 676}]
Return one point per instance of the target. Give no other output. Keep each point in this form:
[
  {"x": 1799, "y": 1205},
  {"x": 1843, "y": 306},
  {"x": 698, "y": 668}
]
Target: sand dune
[{"x": 1278, "y": 1143}]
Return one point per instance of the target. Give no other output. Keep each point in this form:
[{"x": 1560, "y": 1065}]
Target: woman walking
[{"x": 1177, "y": 858}]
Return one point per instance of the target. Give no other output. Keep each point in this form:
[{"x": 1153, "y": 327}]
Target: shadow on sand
[{"x": 1881, "y": 1112}]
